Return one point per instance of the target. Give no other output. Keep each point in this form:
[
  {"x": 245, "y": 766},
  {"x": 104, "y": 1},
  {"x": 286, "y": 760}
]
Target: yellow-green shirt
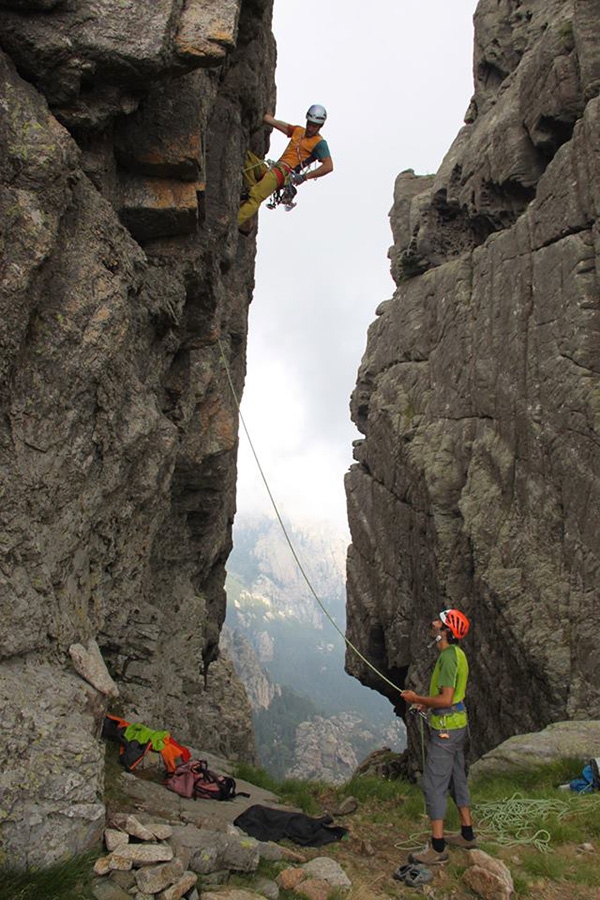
[{"x": 451, "y": 670}]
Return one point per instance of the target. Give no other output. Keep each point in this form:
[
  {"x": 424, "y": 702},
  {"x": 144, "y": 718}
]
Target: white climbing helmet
[{"x": 316, "y": 114}]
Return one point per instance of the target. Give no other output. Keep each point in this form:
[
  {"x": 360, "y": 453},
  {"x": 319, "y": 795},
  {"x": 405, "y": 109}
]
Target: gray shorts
[{"x": 445, "y": 771}]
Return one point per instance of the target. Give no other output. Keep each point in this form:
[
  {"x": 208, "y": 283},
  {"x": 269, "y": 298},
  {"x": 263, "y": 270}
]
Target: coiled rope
[
  {"x": 510, "y": 821},
  {"x": 287, "y": 537}
]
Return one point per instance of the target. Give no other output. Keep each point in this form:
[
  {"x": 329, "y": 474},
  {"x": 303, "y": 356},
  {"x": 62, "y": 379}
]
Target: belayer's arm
[{"x": 444, "y": 698}]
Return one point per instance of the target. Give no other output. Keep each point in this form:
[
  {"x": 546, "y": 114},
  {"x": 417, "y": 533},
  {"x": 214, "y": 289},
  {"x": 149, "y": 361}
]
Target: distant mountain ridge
[{"x": 311, "y": 719}]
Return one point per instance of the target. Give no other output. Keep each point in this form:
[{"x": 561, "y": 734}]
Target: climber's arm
[
  {"x": 324, "y": 169},
  {"x": 277, "y": 123}
]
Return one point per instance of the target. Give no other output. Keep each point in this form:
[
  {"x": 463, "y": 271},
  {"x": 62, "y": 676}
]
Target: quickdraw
[{"x": 283, "y": 195}]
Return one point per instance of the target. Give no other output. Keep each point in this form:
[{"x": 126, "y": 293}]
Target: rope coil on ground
[{"x": 509, "y": 821}]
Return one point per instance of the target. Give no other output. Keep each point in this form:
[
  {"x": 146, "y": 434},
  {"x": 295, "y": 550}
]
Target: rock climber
[
  {"x": 445, "y": 766},
  {"x": 305, "y": 147}
]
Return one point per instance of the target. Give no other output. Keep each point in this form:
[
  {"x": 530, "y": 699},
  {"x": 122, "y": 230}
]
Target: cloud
[{"x": 395, "y": 76}]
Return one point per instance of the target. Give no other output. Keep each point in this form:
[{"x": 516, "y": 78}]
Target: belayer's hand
[
  {"x": 409, "y": 697},
  {"x": 298, "y": 178}
]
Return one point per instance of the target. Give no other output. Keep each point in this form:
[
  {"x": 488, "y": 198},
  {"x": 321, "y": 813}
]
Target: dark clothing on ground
[{"x": 267, "y": 824}]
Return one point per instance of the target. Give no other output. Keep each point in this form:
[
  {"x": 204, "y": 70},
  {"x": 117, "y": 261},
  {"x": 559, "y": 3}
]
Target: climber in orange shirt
[{"x": 305, "y": 147}]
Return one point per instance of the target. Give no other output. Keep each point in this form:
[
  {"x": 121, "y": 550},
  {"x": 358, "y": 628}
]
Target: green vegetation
[
  {"x": 520, "y": 818},
  {"x": 275, "y": 729},
  {"x": 302, "y": 794},
  {"x": 391, "y": 817},
  {"x": 566, "y": 32},
  {"x": 65, "y": 881},
  {"x": 114, "y": 796}
]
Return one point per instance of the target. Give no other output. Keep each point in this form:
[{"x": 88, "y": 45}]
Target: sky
[{"x": 396, "y": 79}]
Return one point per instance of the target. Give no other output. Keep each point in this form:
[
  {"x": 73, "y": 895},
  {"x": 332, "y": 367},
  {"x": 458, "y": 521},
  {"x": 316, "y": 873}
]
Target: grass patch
[
  {"x": 302, "y": 794},
  {"x": 516, "y": 806},
  {"x": 256, "y": 776},
  {"x": 544, "y": 865},
  {"x": 64, "y": 881},
  {"x": 522, "y": 885},
  {"x": 585, "y": 873},
  {"x": 543, "y": 779},
  {"x": 114, "y": 793},
  {"x": 367, "y": 787}
]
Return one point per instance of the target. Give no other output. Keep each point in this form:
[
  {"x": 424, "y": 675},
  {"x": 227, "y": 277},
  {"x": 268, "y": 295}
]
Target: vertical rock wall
[
  {"x": 122, "y": 132},
  {"x": 477, "y": 483}
]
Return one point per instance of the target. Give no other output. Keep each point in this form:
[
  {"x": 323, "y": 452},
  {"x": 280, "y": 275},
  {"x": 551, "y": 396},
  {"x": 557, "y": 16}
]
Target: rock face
[
  {"x": 124, "y": 286},
  {"x": 323, "y": 750},
  {"x": 478, "y": 481},
  {"x": 311, "y": 721}
]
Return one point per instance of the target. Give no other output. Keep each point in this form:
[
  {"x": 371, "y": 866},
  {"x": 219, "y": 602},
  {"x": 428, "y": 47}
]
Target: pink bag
[
  {"x": 195, "y": 779},
  {"x": 184, "y": 777}
]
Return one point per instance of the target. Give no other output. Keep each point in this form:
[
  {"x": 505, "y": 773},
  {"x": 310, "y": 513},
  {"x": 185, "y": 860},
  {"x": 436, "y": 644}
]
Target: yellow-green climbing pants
[{"x": 260, "y": 181}]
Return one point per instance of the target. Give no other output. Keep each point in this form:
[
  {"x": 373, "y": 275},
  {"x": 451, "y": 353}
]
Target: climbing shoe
[
  {"x": 417, "y": 876},
  {"x": 429, "y": 857},
  {"x": 413, "y": 874},
  {"x": 457, "y": 840},
  {"x": 248, "y": 227},
  {"x": 402, "y": 871}
]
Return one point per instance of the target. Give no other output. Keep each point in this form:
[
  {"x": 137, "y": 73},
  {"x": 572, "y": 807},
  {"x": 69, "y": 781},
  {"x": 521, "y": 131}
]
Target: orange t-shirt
[{"x": 301, "y": 150}]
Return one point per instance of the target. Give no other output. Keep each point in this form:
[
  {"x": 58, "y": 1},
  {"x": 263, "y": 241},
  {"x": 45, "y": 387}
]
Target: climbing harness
[
  {"x": 285, "y": 195},
  {"x": 287, "y": 537},
  {"x": 289, "y": 178}
]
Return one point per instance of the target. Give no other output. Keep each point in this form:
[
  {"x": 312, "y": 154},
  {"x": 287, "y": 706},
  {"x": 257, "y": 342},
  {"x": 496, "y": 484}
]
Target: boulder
[
  {"x": 329, "y": 870},
  {"x": 489, "y": 878},
  {"x": 181, "y": 887},
  {"x": 153, "y": 879},
  {"x": 314, "y": 889},
  {"x": 525, "y": 752},
  {"x": 113, "y": 838},
  {"x": 143, "y": 854},
  {"x": 215, "y": 851},
  {"x": 131, "y": 825}
]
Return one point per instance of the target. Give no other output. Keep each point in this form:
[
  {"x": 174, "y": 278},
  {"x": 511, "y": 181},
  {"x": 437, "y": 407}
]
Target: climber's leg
[{"x": 258, "y": 193}]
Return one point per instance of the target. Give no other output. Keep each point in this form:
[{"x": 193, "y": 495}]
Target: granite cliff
[
  {"x": 122, "y": 132},
  {"x": 477, "y": 483}
]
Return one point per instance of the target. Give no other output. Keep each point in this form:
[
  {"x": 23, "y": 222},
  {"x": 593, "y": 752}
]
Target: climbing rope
[
  {"x": 416, "y": 841},
  {"x": 257, "y": 165},
  {"x": 287, "y": 537},
  {"x": 510, "y": 821}
]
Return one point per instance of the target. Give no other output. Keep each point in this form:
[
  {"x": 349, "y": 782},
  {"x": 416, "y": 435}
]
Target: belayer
[
  {"x": 445, "y": 766},
  {"x": 305, "y": 147}
]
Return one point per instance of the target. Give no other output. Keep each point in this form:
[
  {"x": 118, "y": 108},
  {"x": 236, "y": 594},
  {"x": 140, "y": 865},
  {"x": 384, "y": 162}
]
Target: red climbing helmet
[{"x": 456, "y": 621}]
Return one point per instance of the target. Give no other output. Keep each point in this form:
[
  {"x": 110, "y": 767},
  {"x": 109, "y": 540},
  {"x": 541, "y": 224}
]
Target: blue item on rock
[{"x": 589, "y": 780}]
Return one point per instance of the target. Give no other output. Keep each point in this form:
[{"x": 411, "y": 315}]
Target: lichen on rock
[
  {"x": 477, "y": 482},
  {"x": 123, "y": 129}
]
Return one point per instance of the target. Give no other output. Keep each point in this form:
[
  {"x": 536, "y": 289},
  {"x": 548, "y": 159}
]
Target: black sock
[
  {"x": 438, "y": 844},
  {"x": 467, "y": 832}
]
